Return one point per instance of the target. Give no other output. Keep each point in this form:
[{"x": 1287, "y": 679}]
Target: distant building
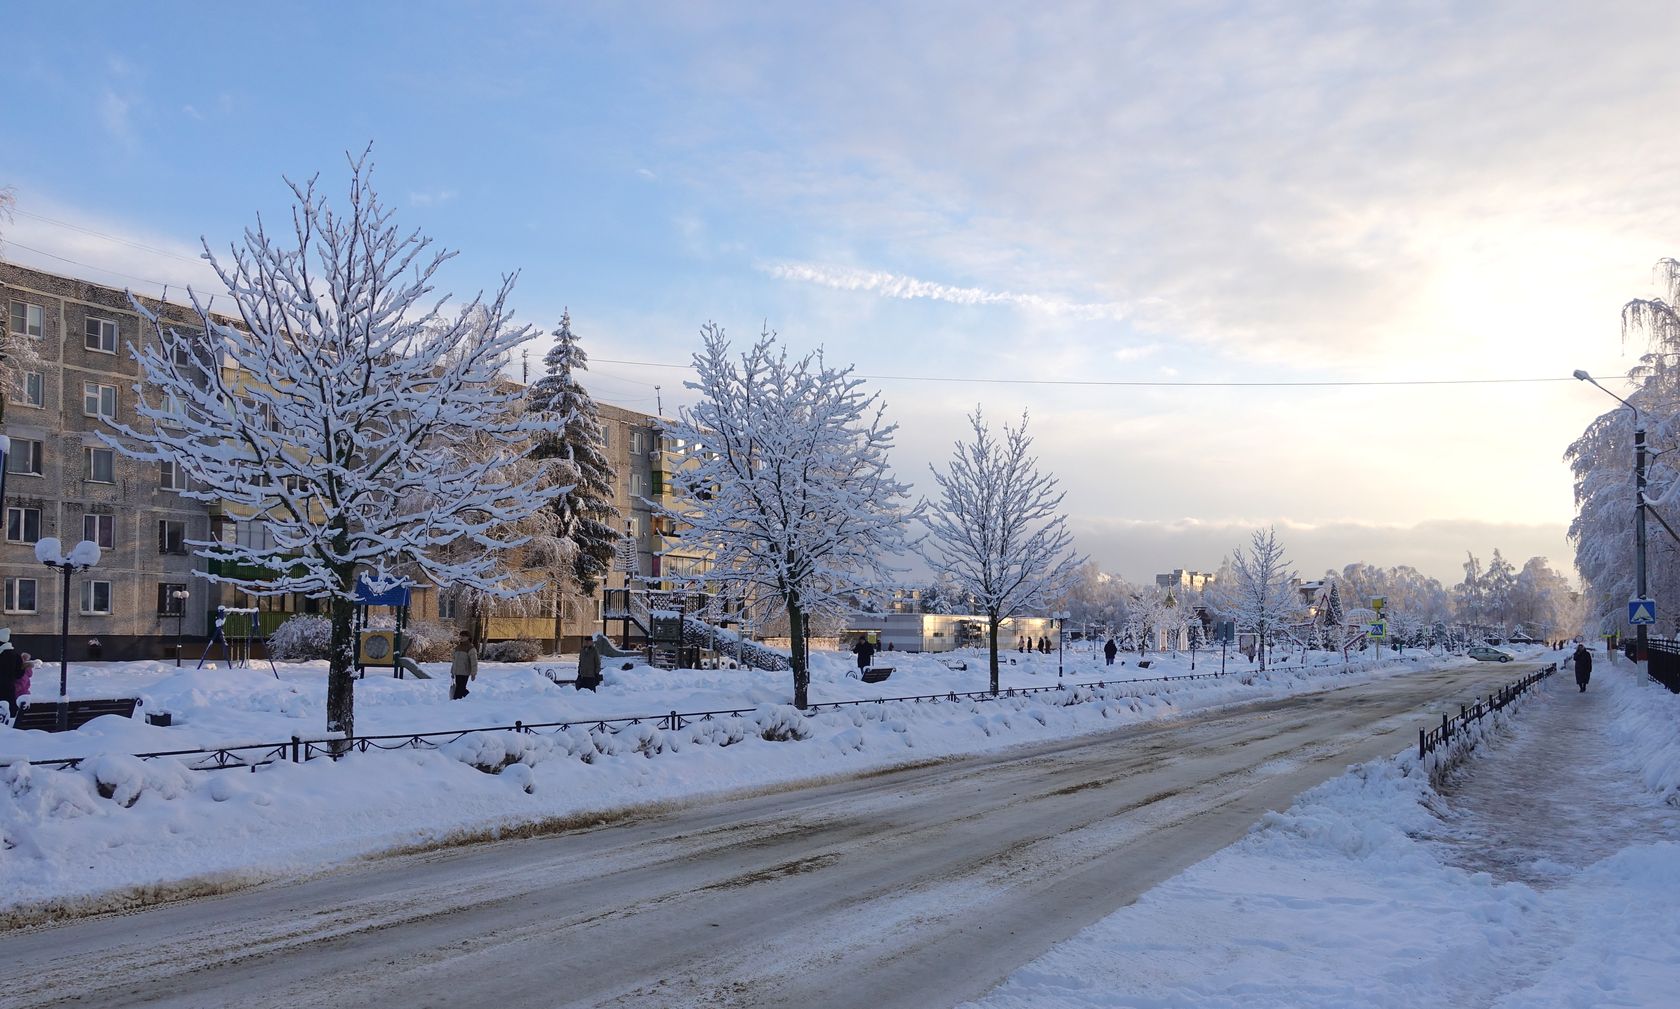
[
  {"x": 1181, "y": 580},
  {"x": 942, "y": 632}
]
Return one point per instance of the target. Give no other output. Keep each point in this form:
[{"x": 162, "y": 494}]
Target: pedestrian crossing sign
[
  {"x": 1379, "y": 629},
  {"x": 1642, "y": 611}
]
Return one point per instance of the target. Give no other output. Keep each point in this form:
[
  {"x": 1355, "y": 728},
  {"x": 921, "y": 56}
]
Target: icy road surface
[{"x": 918, "y": 887}]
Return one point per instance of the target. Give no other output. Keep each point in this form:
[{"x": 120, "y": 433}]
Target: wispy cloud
[
  {"x": 894, "y": 285},
  {"x": 432, "y": 198},
  {"x": 115, "y": 114}
]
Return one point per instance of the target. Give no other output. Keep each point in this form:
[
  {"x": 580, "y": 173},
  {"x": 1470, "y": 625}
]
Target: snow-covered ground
[
  {"x": 112, "y": 830},
  {"x": 1545, "y": 871}
]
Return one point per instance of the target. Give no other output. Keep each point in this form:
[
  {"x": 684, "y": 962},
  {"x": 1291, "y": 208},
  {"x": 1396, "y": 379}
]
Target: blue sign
[
  {"x": 1642, "y": 611},
  {"x": 396, "y": 595}
]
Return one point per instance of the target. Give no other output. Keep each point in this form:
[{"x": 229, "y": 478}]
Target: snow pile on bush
[
  {"x": 305, "y": 636},
  {"x": 510, "y": 651}
]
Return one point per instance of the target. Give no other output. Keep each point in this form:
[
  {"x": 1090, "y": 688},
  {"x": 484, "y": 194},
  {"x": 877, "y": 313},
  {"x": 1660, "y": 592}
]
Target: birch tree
[
  {"x": 996, "y": 528},
  {"x": 1259, "y": 594},
  {"x": 346, "y": 415},
  {"x": 786, "y": 485}
]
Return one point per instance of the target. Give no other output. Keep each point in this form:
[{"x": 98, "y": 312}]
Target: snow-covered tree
[
  {"x": 356, "y": 428},
  {"x": 1147, "y": 616},
  {"x": 996, "y": 528},
  {"x": 1601, "y": 461},
  {"x": 587, "y": 516},
  {"x": 1499, "y": 582},
  {"x": 1260, "y": 592},
  {"x": 787, "y": 486}
]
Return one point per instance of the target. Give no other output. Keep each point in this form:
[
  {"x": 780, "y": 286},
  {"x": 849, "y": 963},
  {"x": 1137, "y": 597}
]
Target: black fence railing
[
  {"x": 1430, "y": 739},
  {"x": 1662, "y": 662},
  {"x": 299, "y": 750}
]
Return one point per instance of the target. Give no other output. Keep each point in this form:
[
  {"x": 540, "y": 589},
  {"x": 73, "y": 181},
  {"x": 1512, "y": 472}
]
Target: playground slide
[
  {"x": 726, "y": 642},
  {"x": 413, "y": 668},
  {"x": 607, "y": 650}
]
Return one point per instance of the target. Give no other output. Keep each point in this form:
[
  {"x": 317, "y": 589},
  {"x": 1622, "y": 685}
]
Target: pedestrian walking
[
  {"x": 463, "y": 666},
  {"x": 1110, "y": 650},
  {"x": 865, "y": 652},
  {"x": 1044, "y": 645},
  {"x": 589, "y": 666},
  {"x": 1583, "y": 667}
]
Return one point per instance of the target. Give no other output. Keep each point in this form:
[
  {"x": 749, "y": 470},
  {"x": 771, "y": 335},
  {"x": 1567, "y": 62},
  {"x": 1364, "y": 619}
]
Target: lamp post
[
  {"x": 82, "y": 556},
  {"x": 1061, "y": 618},
  {"x": 180, "y": 597},
  {"x": 1638, "y": 502}
]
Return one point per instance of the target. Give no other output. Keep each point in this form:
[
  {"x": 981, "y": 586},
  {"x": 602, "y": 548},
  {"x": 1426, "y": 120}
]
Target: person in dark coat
[
  {"x": 589, "y": 666},
  {"x": 1583, "y": 667},
  {"x": 463, "y": 666},
  {"x": 1110, "y": 650},
  {"x": 1044, "y": 645},
  {"x": 865, "y": 652},
  {"x": 11, "y": 670}
]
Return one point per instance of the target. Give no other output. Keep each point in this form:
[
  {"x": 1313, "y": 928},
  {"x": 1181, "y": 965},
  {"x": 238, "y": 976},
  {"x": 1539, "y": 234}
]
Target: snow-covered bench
[
  {"x": 44, "y": 714},
  {"x": 875, "y": 674}
]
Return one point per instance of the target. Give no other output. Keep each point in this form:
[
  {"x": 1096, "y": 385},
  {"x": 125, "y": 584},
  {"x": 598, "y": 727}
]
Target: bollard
[
  {"x": 295, "y": 743},
  {"x": 1423, "y": 750},
  {"x": 1446, "y": 729}
]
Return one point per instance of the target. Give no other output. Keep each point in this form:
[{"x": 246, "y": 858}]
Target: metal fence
[
  {"x": 297, "y": 749},
  {"x": 1662, "y": 662},
  {"x": 1430, "y": 739}
]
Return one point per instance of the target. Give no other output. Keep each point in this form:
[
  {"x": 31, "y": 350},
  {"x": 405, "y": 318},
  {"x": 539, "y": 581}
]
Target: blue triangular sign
[{"x": 1642, "y": 611}]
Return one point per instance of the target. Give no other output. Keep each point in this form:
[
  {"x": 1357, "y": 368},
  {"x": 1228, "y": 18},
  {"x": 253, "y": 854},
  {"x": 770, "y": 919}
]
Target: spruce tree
[{"x": 587, "y": 516}]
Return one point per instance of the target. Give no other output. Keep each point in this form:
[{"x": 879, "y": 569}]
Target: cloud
[
  {"x": 431, "y": 198},
  {"x": 891, "y": 285},
  {"x": 116, "y": 115}
]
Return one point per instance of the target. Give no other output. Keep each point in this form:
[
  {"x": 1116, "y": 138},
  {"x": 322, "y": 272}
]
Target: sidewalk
[
  {"x": 1552, "y": 797},
  {"x": 1545, "y": 874}
]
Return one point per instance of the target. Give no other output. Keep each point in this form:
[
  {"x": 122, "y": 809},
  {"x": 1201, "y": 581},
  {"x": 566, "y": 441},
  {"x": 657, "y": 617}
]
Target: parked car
[{"x": 1483, "y": 653}]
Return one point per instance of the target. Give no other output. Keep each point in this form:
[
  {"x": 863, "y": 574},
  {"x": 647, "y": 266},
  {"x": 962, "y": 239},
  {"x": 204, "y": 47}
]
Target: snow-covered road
[{"x": 917, "y": 887}]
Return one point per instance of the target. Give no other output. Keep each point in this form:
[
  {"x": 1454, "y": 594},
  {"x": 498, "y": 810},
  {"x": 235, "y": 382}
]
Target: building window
[
  {"x": 96, "y": 597},
  {"x": 634, "y": 525},
  {"x": 638, "y": 485},
  {"x": 102, "y": 529},
  {"x": 448, "y": 605},
  {"x": 101, "y": 465},
  {"x": 25, "y": 457},
  {"x": 34, "y": 389},
  {"x": 171, "y": 476},
  {"x": 23, "y": 525},
  {"x": 99, "y": 400},
  {"x": 172, "y": 536},
  {"x": 606, "y": 436},
  {"x": 638, "y": 443},
  {"x": 170, "y": 604},
  {"x": 20, "y": 595},
  {"x": 26, "y": 320},
  {"x": 101, "y": 335}
]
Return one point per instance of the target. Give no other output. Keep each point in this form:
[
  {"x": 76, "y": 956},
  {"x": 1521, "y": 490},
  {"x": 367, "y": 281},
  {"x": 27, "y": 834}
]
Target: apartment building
[{"x": 63, "y": 481}]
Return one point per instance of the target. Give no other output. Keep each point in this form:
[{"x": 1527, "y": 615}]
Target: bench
[
  {"x": 875, "y": 674},
  {"x": 43, "y": 714}
]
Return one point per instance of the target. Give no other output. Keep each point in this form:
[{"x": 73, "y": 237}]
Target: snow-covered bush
[
  {"x": 511, "y": 651},
  {"x": 782, "y": 722},
  {"x": 303, "y": 637},
  {"x": 492, "y": 752},
  {"x": 427, "y": 641},
  {"x": 123, "y": 779}
]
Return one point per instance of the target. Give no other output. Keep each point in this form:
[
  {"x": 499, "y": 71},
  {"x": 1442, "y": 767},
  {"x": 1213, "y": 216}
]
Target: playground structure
[
  {"x": 237, "y": 650},
  {"x": 383, "y": 648},
  {"x": 683, "y": 628}
]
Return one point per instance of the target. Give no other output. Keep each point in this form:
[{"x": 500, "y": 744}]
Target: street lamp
[
  {"x": 1638, "y": 501},
  {"x": 180, "y": 597},
  {"x": 1061, "y": 618},
  {"x": 82, "y": 556}
]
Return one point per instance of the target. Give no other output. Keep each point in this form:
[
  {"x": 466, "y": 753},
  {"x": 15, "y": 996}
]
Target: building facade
[{"x": 64, "y": 481}]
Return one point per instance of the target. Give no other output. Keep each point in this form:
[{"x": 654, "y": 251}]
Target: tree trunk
[
  {"x": 992, "y": 628},
  {"x": 796, "y": 645},
  {"x": 341, "y": 683}
]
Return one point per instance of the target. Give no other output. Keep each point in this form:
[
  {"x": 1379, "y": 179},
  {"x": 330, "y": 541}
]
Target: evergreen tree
[{"x": 586, "y": 516}]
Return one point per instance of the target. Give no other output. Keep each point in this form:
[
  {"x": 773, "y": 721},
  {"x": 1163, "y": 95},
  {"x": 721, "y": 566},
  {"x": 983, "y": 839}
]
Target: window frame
[
  {"x": 40, "y": 321},
  {"x": 23, "y": 523},
  {"x": 91, "y": 453},
  {"x": 96, "y": 394},
  {"x": 180, "y": 549},
  {"x": 104, "y": 528},
  {"x": 177, "y": 477},
  {"x": 11, "y": 603},
  {"x": 88, "y": 322},
  {"x": 39, "y": 381},
  {"x": 168, "y": 605},
  {"x": 36, "y": 458},
  {"x": 90, "y": 598}
]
